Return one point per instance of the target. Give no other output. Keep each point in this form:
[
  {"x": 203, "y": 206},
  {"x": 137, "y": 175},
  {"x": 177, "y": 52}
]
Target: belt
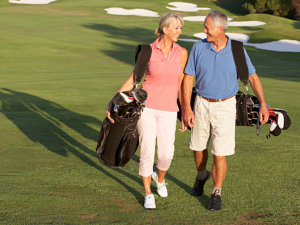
[{"x": 217, "y": 100}]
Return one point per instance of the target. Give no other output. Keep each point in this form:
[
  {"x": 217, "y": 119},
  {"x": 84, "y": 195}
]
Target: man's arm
[
  {"x": 258, "y": 90},
  {"x": 186, "y": 93}
]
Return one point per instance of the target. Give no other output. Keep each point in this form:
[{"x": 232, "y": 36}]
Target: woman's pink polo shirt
[{"x": 162, "y": 76}]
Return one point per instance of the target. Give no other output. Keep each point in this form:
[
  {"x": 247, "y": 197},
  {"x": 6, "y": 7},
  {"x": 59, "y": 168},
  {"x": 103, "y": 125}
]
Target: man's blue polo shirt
[{"x": 216, "y": 74}]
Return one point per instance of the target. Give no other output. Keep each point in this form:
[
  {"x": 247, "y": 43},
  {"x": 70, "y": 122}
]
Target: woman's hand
[
  {"x": 183, "y": 127},
  {"x": 108, "y": 110}
]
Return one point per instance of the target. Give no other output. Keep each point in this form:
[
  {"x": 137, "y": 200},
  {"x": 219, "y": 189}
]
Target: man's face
[{"x": 212, "y": 32}]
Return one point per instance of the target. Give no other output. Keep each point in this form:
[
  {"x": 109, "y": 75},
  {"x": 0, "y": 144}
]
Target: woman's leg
[
  {"x": 147, "y": 134},
  {"x": 166, "y": 128},
  {"x": 147, "y": 184}
]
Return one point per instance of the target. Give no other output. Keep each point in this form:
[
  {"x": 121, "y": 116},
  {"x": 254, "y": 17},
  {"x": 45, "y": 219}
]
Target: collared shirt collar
[
  {"x": 227, "y": 48},
  {"x": 156, "y": 44}
]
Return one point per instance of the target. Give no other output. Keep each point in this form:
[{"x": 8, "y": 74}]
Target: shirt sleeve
[
  {"x": 251, "y": 69},
  {"x": 190, "y": 67}
]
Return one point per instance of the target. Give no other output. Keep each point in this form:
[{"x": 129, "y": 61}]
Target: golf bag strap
[
  {"x": 240, "y": 62},
  {"x": 141, "y": 62}
]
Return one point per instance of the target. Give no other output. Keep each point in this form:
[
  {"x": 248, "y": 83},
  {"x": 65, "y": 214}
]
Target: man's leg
[
  {"x": 219, "y": 170},
  {"x": 200, "y": 136},
  {"x": 223, "y": 144},
  {"x": 202, "y": 174},
  {"x": 201, "y": 159}
]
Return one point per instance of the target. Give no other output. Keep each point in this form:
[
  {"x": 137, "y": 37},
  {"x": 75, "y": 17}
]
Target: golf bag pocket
[
  {"x": 103, "y": 136},
  {"x": 127, "y": 148},
  {"x": 247, "y": 109},
  {"x": 118, "y": 141}
]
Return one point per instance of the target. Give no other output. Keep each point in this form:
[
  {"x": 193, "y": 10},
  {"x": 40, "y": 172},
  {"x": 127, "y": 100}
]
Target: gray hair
[
  {"x": 165, "y": 21},
  {"x": 219, "y": 19}
]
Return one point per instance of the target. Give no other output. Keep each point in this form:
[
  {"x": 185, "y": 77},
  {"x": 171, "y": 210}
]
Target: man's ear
[{"x": 220, "y": 29}]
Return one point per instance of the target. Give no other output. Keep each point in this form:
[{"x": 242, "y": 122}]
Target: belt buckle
[{"x": 219, "y": 100}]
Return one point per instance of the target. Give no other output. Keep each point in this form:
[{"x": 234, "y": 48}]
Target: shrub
[{"x": 275, "y": 7}]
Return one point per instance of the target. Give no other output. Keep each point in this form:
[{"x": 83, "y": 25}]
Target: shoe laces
[
  {"x": 161, "y": 185},
  {"x": 214, "y": 196},
  {"x": 154, "y": 196}
]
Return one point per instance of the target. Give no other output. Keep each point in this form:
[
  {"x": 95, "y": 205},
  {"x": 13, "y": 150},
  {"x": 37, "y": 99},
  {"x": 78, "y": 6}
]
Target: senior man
[{"x": 212, "y": 62}]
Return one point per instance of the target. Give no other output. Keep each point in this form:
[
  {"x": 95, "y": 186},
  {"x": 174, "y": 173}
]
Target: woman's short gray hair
[
  {"x": 165, "y": 21},
  {"x": 219, "y": 19}
]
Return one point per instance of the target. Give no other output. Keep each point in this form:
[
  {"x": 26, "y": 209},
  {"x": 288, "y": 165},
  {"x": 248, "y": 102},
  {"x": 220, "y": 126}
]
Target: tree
[
  {"x": 275, "y": 7},
  {"x": 296, "y": 9}
]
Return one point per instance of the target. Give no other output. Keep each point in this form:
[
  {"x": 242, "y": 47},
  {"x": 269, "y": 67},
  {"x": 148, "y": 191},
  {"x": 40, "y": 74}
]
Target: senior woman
[{"x": 163, "y": 79}]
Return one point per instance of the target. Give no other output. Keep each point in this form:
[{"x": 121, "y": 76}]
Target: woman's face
[{"x": 174, "y": 30}]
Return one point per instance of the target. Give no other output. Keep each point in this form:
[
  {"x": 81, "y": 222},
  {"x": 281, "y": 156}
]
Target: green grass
[{"x": 60, "y": 65}]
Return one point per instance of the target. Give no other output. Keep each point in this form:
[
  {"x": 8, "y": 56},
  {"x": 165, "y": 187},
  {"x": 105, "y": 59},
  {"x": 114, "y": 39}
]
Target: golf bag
[
  {"x": 119, "y": 141},
  {"x": 247, "y": 106},
  {"x": 247, "y": 114}
]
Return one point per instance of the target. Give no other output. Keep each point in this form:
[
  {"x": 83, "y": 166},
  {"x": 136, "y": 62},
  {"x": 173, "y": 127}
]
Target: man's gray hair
[{"x": 219, "y": 19}]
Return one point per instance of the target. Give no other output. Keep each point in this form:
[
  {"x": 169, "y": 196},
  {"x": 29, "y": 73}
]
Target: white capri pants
[{"x": 156, "y": 125}]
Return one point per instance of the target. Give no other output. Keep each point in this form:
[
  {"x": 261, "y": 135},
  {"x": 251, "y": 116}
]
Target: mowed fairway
[{"x": 61, "y": 63}]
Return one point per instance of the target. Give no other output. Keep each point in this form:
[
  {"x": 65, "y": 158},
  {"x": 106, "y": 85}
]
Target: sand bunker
[
  {"x": 35, "y": 2},
  {"x": 279, "y": 46},
  {"x": 198, "y": 18},
  {"x": 185, "y": 7},
  {"x": 246, "y": 23},
  {"x": 240, "y": 37},
  {"x": 232, "y": 24},
  {"x": 131, "y": 12}
]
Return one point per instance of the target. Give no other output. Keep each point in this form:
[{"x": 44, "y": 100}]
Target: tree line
[{"x": 284, "y": 8}]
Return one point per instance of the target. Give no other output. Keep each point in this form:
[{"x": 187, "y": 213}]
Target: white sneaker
[
  {"x": 160, "y": 187},
  {"x": 149, "y": 202}
]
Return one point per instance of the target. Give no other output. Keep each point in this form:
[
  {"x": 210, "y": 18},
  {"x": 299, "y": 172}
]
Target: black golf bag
[
  {"x": 119, "y": 141},
  {"x": 247, "y": 114}
]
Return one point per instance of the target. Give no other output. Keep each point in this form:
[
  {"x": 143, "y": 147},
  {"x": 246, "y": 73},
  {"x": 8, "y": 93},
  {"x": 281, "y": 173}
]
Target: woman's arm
[
  {"x": 184, "y": 57},
  {"x": 128, "y": 85}
]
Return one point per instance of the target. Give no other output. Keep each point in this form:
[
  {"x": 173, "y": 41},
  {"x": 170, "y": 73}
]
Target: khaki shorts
[{"x": 215, "y": 120}]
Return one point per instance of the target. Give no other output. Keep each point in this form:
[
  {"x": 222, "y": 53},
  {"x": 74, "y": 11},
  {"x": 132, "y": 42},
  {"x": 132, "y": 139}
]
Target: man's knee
[
  {"x": 201, "y": 155},
  {"x": 219, "y": 159}
]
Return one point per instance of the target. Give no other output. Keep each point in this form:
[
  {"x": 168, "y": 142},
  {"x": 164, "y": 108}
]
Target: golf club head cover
[
  {"x": 281, "y": 117},
  {"x": 123, "y": 98},
  {"x": 140, "y": 95},
  {"x": 274, "y": 128},
  {"x": 126, "y": 97}
]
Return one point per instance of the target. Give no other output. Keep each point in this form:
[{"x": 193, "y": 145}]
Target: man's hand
[
  {"x": 263, "y": 114},
  {"x": 258, "y": 90},
  {"x": 188, "y": 118}
]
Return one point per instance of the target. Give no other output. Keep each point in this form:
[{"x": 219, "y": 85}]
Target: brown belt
[{"x": 217, "y": 100}]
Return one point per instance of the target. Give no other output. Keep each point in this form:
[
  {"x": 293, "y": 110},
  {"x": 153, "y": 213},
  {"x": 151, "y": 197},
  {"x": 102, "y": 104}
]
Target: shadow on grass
[
  {"x": 43, "y": 121},
  {"x": 296, "y": 24},
  {"x": 123, "y": 52}
]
